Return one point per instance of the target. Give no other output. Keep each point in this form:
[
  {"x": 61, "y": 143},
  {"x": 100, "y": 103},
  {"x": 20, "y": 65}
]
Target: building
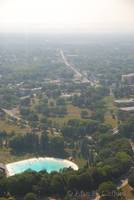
[
  {"x": 127, "y": 109},
  {"x": 126, "y": 112},
  {"x": 128, "y": 78},
  {"x": 124, "y": 102}
]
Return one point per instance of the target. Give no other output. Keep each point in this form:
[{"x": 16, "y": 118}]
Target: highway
[{"x": 73, "y": 68}]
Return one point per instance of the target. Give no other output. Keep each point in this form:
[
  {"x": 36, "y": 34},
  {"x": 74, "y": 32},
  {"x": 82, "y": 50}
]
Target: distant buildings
[
  {"x": 125, "y": 108},
  {"x": 126, "y": 112},
  {"x": 68, "y": 95},
  {"x": 128, "y": 78},
  {"x": 126, "y": 105},
  {"x": 124, "y": 102}
]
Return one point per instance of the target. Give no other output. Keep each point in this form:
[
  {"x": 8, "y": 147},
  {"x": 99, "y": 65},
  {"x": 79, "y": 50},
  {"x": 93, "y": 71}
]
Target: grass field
[
  {"x": 110, "y": 110},
  {"x": 73, "y": 113},
  {"x": 109, "y": 120},
  {"x": 7, "y": 157},
  {"x": 80, "y": 162},
  {"x": 10, "y": 127}
]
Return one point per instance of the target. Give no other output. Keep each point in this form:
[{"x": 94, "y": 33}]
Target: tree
[
  {"x": 3, "y": 186},
  {"x": 131, "y": 179},
  {"x": 56, "y": 146},
  {"x": 3, "y": 198},
  {"x": 60, "y": 102},
  {"x": 85, "y": 149},
  {"x": 24, "y": 143},
  {"x": 44, "y": 140},
  {"x": 57, "y": 184},
  {"x": 84, "y": 114},
  {"x": 30, "y": 196},
  {"x": 73, "y": 182},
  {"x": 107, "y": 190},
  {"x": 127, "y": 129}
]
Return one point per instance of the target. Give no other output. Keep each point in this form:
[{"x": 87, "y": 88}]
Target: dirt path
[{"x": 13, "y": 113}]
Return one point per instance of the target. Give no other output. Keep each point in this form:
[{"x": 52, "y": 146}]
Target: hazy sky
[{"x": 67, "y": 15}]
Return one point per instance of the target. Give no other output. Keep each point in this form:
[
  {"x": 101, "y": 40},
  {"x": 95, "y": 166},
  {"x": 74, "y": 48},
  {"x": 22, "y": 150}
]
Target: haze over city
[{"x": 66, "y": 15}]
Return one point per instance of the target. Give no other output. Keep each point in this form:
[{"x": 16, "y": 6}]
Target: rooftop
[
  {"x": 124, "y": 101},
  {"x": 127, "y": 109},
  {"x": 128, "y": 75}
]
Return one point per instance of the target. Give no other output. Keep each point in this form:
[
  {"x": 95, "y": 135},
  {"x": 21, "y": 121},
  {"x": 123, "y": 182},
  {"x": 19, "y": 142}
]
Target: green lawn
[
  {"x": 10, "y": 127},
  {"x": 73, "y": 112},
  {"x": 109, "y": 120},
  {"x": 80, "y": 162},
  {"x": 7, "y": 157},
  {"x": 110, "y": 110}
]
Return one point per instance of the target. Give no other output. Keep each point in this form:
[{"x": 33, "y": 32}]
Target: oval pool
[{"x": 39, "y": 164}]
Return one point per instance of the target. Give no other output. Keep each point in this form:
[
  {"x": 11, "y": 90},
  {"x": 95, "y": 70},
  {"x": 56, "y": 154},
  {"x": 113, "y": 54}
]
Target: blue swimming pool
[{"x": 39, "y": 164}]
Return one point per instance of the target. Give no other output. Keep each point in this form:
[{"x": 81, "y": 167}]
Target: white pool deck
[{"x": 31, "y": 161}]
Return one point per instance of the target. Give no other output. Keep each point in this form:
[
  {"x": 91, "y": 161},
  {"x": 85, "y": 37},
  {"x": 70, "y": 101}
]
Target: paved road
[
  {"x": 111, "y": 92},
  {"x": 76, "y": 72},
  {"x": 72, "y": 67},
  {"x": 11, "y": 113}
]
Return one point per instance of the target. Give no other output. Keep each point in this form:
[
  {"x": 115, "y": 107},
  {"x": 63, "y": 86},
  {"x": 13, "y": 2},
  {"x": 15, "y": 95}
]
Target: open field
[
  {"x": 7, "y": 157},
  {"x": 73, "y": 113},
  {"x": 110, "y": 120},
  {"x": 10, "y": 127},
  {"x": 80, "y": 162},
  {"x": 110, "y": 110}
]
